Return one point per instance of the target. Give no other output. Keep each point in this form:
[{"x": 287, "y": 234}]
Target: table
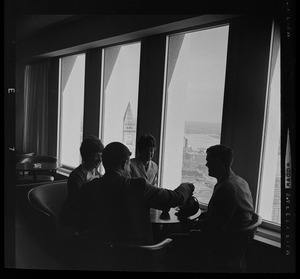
[
  {"x": 157, "y": 217},
  {"x": 164, "y": 225},
  {"x": 35, "y": 168}
]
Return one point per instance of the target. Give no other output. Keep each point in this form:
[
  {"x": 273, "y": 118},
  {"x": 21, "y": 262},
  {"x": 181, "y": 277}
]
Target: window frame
[{"x": 266, "y": 224}]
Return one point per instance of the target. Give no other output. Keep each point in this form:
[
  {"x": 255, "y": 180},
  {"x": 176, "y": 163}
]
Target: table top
[
  {"x": 28, "y": 166},
  {"x": 156, "y": 217}
]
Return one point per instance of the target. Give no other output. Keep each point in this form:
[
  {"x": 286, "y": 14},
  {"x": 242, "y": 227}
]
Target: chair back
[
  {"x": 109, "y": 256},
  {"x": 251, "y": 229},
  {"x": 240, "y": 240},
  {"x": 236, "y": 244},
  {"x": 213, "y": 251},
  {"x": 47, "y": 200},
  {"x": 83, "y": 251}
]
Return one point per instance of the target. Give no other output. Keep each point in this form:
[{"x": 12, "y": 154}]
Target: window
[
  {"x": 120, "y": 82},
  {"x": 72, "y": 70},
  {"x": 269, "y": 206},
  {"x": 194, "y": 90}
]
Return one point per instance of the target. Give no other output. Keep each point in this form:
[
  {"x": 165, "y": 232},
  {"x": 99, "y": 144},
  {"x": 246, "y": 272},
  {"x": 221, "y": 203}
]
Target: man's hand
[{"x": 191, "y": 185}]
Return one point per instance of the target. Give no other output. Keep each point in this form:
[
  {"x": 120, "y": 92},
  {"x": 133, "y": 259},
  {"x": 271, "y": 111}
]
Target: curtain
[{"x": 36, "y": 96}]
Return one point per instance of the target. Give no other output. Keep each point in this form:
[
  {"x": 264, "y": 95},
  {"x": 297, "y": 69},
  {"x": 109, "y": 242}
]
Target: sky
[{"x": 206, "y": 74}]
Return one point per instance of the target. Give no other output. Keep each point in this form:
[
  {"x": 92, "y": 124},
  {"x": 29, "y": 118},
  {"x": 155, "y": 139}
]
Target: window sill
[
  {"x": 268, "y": 237},
  {"x": 64, "y": 171}
]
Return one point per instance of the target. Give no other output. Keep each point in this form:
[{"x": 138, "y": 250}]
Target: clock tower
[{"x": 129, "y": 129}]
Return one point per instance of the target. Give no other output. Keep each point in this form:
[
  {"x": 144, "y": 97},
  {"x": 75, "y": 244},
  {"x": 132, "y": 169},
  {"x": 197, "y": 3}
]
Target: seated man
[
  {"x": 116, "y": 207},
  {"x": 230, "y": 207},
  {"x": 231, "y": 204}
]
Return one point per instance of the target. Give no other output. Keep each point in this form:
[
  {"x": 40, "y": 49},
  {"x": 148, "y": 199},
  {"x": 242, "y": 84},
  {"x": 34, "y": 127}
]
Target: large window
[
  {"x": 194, "y": 90},
  {"x": 120, "y": 83},
  {"x": 269, "y": 206},
  {"x": 72, "y": 70},
  {"x": 193, "y": 102}
]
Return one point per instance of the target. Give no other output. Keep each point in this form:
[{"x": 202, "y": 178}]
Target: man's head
[
  {"x": 219, "y": 159},
  {"x": 116, "y": 156},
  {"x": 91, "y": 150}
]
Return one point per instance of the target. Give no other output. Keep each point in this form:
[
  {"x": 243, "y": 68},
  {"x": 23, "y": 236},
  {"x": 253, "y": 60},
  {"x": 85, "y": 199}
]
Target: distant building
[
  {"x": 129, "y": 129},
  {"x": 276, "y": 210}
]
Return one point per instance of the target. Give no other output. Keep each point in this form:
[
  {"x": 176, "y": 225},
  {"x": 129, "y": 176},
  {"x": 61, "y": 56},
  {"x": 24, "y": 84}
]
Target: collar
[
  {"x": 141, "y": 162},
  {"x": 226, "y": 176}
]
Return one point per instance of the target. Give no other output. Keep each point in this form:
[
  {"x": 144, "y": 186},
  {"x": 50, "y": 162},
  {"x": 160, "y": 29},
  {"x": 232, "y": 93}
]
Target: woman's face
[
  {"x": 95, "y": 159},
  {"x": 148, "y": 153}
]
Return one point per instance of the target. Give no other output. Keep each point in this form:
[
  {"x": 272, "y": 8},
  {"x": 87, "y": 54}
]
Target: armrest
[
  {"x": 161, "y": 245},
  {"x": 158, "y": 246}
]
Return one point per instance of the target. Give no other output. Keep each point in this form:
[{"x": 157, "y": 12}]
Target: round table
[
  {"x": 157, "y": 217},
  {"x": 165, "y": 224}
]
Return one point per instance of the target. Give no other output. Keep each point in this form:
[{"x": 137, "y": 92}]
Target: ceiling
[{"x": 27, "y": 25}]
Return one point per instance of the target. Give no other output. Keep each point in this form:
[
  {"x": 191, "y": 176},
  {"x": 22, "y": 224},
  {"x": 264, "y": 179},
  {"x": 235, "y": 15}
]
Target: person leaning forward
[{"x": 116, "y": 207}]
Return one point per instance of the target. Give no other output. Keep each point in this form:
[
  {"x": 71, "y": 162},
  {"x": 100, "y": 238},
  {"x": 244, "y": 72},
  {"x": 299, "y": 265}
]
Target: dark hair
[
  {"x": 221, "y": 152},
  {"x": 89, "y": 146},
  {"x": 114, "y": 154},
  {"x": 145, "y": 141}
]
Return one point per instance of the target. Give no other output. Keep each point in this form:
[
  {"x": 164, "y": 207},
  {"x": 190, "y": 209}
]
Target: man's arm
[{"x": 160, "y": 198}]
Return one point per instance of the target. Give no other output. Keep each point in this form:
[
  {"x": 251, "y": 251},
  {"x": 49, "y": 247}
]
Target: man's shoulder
[
  {"x": 136, "y": 181},
  {"x": 237, "y": 180},
  {"x": 139, "y": 184},
  {"x": 234, "y": 185}
]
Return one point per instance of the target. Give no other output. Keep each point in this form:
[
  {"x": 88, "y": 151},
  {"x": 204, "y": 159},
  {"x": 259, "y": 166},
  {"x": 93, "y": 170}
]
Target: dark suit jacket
[
  {"x": 138, "y": 170},
  {"x": 231, "y": 205},
  {"x": 116, "y": 208}
]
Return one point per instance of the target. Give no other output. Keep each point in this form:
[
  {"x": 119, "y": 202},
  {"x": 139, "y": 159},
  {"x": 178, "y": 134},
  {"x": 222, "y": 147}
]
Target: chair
[
  {"x": 214, "y": 252},
  {"x": 109, "y": 256},
  {"x": 83, "y": 252},
  {"x": 47, "y": 176},
  {"x": 47, "y": 200}
]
